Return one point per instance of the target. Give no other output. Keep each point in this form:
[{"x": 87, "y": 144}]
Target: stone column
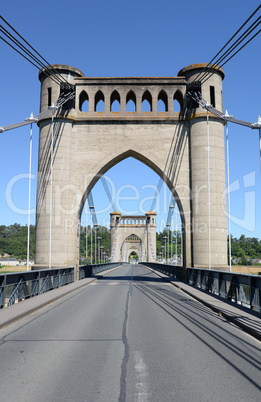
[{"x": 205, "y": 253}]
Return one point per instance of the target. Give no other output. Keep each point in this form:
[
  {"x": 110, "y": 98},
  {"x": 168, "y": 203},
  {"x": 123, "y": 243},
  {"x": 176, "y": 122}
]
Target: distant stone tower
[{"x": 133, "y": 232}]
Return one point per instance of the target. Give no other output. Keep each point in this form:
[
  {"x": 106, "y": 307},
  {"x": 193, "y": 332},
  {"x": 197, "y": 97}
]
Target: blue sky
[{"x": 130, "y": 38}]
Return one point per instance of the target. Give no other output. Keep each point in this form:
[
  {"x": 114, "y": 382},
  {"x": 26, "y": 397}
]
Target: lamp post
[
  {"x": 162, "y": 248},
  {"x": 95, "y": 247},
  {"x": 98, "y": 251},
  {"x": 165, "y": 238},
  {"x": 168, "y": 226},
  {"x": 172, "y": 207},
  {"x": 101, "y": 248},
  {"x": 91, "y": 207}
]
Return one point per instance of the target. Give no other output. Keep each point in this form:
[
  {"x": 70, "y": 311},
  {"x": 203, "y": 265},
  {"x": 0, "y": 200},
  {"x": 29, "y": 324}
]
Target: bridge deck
[{"x": 127, "y": 336}]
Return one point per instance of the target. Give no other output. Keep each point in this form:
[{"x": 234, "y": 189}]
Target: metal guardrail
[
  {"x": 241, "y": 289},
  {"x": 16, "y": 287},
  {"x": 170, "y": 270},
  {"x": 85, "y": 271},
  {"x": 19, "y": 286},
  {"x": 238, "y": 288}
]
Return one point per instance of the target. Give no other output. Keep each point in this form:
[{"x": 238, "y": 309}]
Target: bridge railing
[
  {"x": 238, "y": 288},
  {"x": 19, "y": 286},
  {"x": 170, "y": 270},
  {"x": 241, "y": 289},
  {"x": 85, "y": 271},
  {"x": 16, "y": 287}
]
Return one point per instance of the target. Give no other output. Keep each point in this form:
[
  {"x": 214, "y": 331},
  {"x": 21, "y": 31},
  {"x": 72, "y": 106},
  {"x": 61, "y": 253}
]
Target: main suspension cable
[
  {"x": 214, "y": 58},
  {"x": 51, "y": 70},
  {"x": 219, "y": 67}
]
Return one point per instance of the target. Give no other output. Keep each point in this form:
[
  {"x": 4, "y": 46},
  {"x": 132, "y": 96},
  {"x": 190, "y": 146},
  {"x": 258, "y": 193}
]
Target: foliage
[
  {"x": 105, "y": 241},
  {"x": 13, "y": 241},
  {"x": 160, "y": 243},
  {"x": 245, "y": 249},
  {"x": 133, "y": 256}
]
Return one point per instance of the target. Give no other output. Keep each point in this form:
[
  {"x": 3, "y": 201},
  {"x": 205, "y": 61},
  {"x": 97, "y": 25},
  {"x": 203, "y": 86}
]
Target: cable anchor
[
  {"x": 32, "y": 119},
  {"x": 258, "y": 124}
]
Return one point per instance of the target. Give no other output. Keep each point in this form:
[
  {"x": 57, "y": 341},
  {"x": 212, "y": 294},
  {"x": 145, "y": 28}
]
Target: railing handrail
[
  {"x": 240, "y": 288},
  {"x": 18, "y": 286}
]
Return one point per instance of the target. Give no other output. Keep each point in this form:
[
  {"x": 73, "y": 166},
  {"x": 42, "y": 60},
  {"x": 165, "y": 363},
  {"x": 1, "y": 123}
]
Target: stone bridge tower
[
  {"x": 173, "y": 142},
  {"x": 143, "y": 230}
]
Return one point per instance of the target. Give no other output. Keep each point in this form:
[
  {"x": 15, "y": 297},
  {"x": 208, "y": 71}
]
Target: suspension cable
[
  {"x": 204, "y": 104},
  {"x": 233, "y": 55},
  {"x": 50, "y": 66},
  {"x": 63, "y": 98},
  {"x": 57, "y": 80},
  {"x": 242, "y": 26},
  {"x": 108, "y": 193}
]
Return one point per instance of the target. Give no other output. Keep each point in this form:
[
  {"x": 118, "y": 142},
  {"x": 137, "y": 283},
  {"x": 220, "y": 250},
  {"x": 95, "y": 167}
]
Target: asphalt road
[{"x": 129, "y": 336}]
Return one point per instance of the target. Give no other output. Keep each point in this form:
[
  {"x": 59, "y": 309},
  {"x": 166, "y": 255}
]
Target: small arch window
[
  {"x": 115, "y": 105},
  {"x": 162, "y": 101},
  {"x": 99, "y": 102},
  {"x": 177, "y": 101},
  {"x": 131, "y": 102},
  {"x": 147, "y": 102},
  {"x": 84, "y": 102}
]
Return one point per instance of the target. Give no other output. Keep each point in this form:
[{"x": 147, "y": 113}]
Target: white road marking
[
  {"x": 106, "y": 283},
  {"x": 141, "y": 394}
]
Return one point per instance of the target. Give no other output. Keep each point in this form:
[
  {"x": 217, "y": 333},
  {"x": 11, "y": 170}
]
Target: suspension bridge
[{"x": 113, "y": 349}]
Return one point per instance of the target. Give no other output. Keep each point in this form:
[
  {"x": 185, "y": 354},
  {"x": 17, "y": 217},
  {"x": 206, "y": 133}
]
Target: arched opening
[
  {"x": 132, "y": 243},
  {"x": 177, "y": 101},
  {"x": 162, "y": 101},
  {"x": 84, "y": 102},
  {"x": 146, "y": 102},
  {"x": 99, "y": 102},
  {"x": 115, "y": 101},
  {"x": 131, "y": 102},
  {"x": 132, "y": 162},
  {"x": 133, "y": 258}
]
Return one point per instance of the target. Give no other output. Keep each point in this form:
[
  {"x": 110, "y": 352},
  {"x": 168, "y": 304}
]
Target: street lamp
[
  {"x": 101, "y": 252},
  {"x": 98, "y": 251},
  {"x": 162, "y": 248},
  {"x": 171, "y": 249},
  {"x": 91, "y": 207},
  {"x": 168, "y": 226},
  {"x": 165, "y": 238},
  {"x": 95, "y": 253}
]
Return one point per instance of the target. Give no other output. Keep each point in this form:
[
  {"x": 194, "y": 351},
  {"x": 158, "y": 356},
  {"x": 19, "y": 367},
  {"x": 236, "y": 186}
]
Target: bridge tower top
[{"x": 134, "y": 221}]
